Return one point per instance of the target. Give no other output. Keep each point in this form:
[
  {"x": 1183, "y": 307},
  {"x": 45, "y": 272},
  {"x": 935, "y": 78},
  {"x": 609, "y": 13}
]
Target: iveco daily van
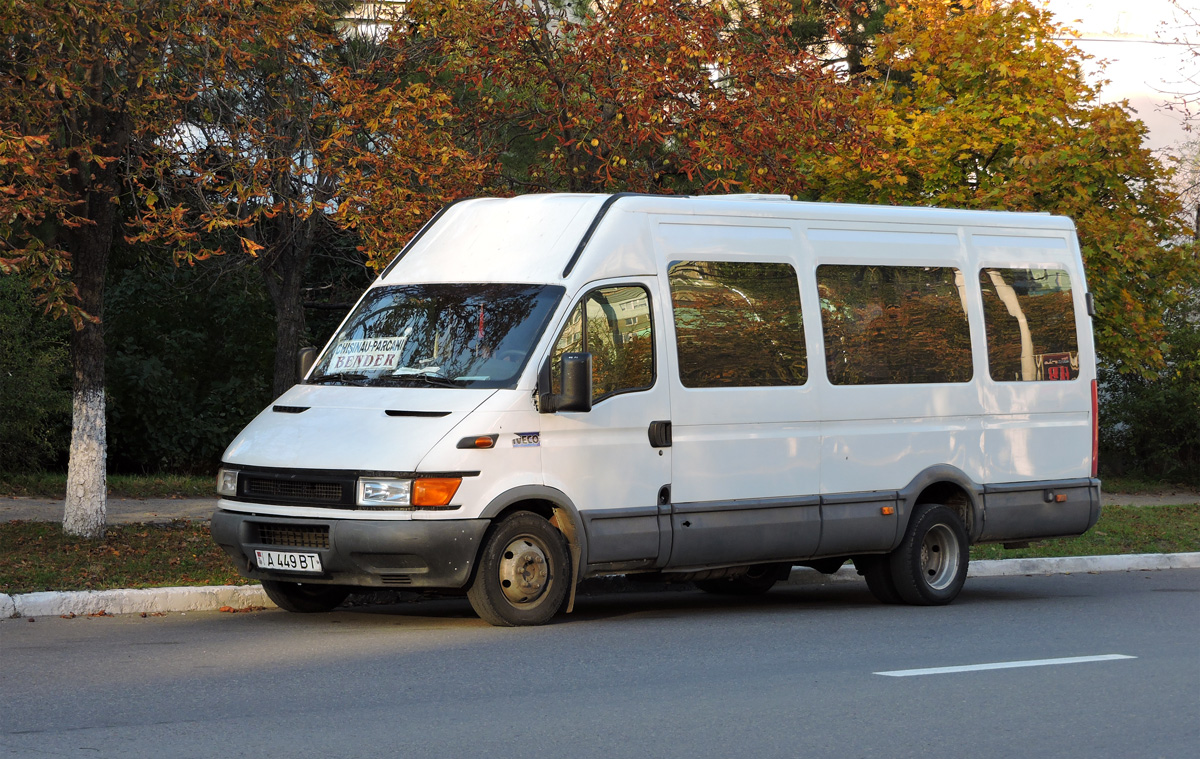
[{"x": 548, "y": 388}]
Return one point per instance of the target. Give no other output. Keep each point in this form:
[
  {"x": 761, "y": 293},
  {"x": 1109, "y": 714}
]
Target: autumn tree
[
  {"x": 290, "y": 141},
  {"x": 221, "y": 125},
  {"x": 983, "y": 105},
  {"x": 639, "y": 95},
  {"x": 81, "y": 95}
]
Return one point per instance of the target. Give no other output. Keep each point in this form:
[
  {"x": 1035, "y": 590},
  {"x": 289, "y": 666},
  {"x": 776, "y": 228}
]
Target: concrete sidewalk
[{"x": 120, "y": 510}]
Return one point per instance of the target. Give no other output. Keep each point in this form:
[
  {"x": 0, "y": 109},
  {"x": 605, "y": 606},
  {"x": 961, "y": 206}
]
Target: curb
[
  {"x": 1061, "y": 565},
  {"x": 211, "y": 598},
  {"x": 132, "y": 601}
]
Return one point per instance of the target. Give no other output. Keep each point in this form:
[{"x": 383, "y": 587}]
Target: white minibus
[{"x": 548, "y": 388}]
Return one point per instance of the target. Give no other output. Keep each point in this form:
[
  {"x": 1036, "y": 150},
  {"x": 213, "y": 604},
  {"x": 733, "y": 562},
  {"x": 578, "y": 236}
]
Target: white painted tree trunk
[{"x": 87, "y": 503}]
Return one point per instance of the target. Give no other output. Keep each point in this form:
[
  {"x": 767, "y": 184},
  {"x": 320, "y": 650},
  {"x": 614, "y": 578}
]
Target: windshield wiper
[
  {"x": 350, "y": 378},
  {"x": 436, "y": 380}
]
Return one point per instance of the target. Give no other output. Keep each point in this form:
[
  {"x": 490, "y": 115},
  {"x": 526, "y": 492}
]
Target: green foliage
[
  {"x": 35, "y": 389},
  {"x": 190, "y": 352},
  {"x": 1150, "y": 426}
]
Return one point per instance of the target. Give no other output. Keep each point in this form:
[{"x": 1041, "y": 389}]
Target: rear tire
[
  {"x": 929, "y": 567},
  {"x": 524, "y": 573},
  {"x": 304, "y": 598}
]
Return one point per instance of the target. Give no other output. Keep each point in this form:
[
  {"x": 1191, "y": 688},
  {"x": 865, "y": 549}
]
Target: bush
[
  {"x": 35, "y": 382},
  {"x": 1151, "y": 427},
  {"x": 189, "y": 357}
]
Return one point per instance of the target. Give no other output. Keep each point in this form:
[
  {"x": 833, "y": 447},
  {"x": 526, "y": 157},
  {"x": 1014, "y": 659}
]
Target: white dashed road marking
[{"x": 1002, "y": 665}]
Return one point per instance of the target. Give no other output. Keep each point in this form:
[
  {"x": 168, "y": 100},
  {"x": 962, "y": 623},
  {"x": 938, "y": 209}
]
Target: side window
[
  {"x": 1030, "y": 321},
  {"x": 888, "y": 325},
  {"x": 737, "y": 324},
  {"x": 615, "y": 326}
]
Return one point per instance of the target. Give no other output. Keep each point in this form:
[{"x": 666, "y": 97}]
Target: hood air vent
[{"x": 431, "y": 414}]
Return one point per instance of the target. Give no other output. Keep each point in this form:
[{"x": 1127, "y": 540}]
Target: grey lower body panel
[
  {"x": 1034, "y": 510},
  {"x": 720, "y": 534},
  {"x": 368, "y": 553},
  {"x": 694, "y": 536}
]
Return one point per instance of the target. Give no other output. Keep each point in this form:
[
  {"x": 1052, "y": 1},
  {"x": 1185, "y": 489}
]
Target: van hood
[{"x": 379, "y": 429}]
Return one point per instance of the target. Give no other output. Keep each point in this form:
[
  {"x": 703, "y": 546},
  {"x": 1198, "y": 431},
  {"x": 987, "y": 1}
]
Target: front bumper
[{"x": 368, "y": 553}]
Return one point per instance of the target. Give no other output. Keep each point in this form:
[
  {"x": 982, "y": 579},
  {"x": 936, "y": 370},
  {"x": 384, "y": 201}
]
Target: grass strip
[
  {"x": 37, "y": 556},
  {"x": 1121, "y": 529},
  {"x": 52, "y": 485}
]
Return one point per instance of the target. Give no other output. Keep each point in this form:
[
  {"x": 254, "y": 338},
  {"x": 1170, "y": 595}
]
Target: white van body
[{"x": 719, "y": 473}]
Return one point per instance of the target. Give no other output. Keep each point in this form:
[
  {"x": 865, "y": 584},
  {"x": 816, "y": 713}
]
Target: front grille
[
  {"x": 392, "y": 580},
  {"x": 293, "y": 490},
  {"x": 294, "y": 536}
]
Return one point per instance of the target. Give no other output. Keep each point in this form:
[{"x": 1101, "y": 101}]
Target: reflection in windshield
[{"x": 450, "y": 335}]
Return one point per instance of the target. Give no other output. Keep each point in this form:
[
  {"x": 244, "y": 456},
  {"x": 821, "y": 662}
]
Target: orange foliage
[{"x": 638, "y": 95}]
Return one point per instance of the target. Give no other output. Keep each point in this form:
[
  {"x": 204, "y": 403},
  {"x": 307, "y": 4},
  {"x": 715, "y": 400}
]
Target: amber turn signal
[
  {"x": 478, "y": 441},
  {"x": 434, "y": 491},
  {"x": 887, "y": 511}
]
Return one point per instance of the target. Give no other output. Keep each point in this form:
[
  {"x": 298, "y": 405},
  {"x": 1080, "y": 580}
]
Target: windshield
[{"x": 449, "y": 335}]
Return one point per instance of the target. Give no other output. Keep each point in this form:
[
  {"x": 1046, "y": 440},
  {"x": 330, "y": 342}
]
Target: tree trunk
[
  {"x": 289, "y": 330},
  {"x": 285, "y": 281},
  {"x": 86, "y": 503}
]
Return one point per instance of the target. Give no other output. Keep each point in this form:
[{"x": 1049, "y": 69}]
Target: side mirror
[
  {"x": 305, "y": 360},
  {"x": 576, "y": 392}
]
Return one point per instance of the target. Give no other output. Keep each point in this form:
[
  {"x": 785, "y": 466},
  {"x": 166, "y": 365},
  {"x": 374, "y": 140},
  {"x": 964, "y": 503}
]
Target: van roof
[{"x": 528, "y": 238}]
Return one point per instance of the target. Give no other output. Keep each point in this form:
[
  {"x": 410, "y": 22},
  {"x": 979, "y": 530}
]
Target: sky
[{"x": 1131, "y": 35}]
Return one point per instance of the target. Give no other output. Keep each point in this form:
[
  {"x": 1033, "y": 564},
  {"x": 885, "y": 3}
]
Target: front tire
[
  {"x": 929, "y": 567},
  {"x": 304, "y": 598},
  {"x": 524, "y": 573}
]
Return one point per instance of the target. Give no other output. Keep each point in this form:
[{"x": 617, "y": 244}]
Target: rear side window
[
  {"x": 888, "y": 325},
  {"x": 1030, "y": 321},
  {"x": 737, "y": 324}
]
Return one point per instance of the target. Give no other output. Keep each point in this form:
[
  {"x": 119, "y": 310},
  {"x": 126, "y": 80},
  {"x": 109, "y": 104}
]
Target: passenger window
[
  {"x": 888, "y": 325},
  {"x": 737, "y": 324},
  {"x": 615, "y": 325},
  {"x": 1030, "y": 320}
]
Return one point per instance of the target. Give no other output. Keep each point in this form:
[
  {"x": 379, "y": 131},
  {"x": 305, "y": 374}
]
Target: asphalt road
[{"x": 664, "y": 674}]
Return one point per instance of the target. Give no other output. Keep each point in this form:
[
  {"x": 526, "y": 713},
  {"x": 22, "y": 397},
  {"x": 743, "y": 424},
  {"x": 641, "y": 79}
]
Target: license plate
[{"x": 282, "y": 561}]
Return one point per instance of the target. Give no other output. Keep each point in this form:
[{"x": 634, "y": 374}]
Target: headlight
[
  {"x": 383, "y": 492},
  {"x": 227, "y": 481}
]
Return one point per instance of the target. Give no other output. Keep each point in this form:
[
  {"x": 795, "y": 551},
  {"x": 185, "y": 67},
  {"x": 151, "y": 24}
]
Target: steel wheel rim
[
  {"x": 939, "y": 557},
  {"x": 524, "y": 571}
]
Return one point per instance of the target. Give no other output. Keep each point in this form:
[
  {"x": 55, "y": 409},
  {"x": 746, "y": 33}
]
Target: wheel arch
[
  {"x": 556, "y": 508},
  {"x": 951, "y": 487}
]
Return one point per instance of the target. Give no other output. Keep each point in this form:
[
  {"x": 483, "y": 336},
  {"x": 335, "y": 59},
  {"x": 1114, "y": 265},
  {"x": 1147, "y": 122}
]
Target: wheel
[
  {"x": 760, "y": 579},
  {"x": 524, "y": 573},
  {"x": 930, "y": 565},
  {"x": 304, "y": 598},
  {"x": 878, "y": 574}
]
